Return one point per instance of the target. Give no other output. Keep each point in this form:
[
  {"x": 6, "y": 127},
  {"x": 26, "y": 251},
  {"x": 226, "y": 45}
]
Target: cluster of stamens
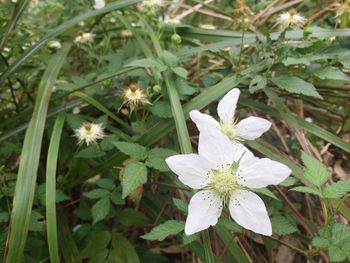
[
  {"x": 229, "y": 129},
  {"x": 224, "y": 182}
]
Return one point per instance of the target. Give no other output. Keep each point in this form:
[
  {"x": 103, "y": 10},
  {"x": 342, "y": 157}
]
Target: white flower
[
  {"x": 99, "y": 4},
  {"x": 54, "y": 44},
  {"x": 152, "y": 5},
  {"x": 288, "y": 20},
  {"x": 247, "y": 129},
  {"x": 171, "y": 20},
  {"x": 89, "y": 133},
  {"x": 224, "y": 173},
  {"x": 85, "y": 38}
]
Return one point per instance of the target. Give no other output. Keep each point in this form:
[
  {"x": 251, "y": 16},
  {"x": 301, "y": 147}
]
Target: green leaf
[
  {"x": 320, "y": 242},
  {"x": 184, "y": 88},
  {"x": 156, "y": 158},
  {"x": 161, "y": 109},
  {"x": 97, "y": 193},
  {"x": 170, "y": 59},
  {"x": 229, "y": 224},
  {"x": 171, "y": 227},
  {"x": 181, "y": 72},
  {"x": 337, "y": 254},
  {"x": 100, "y": 209},
  {"x": 295, "y": 85},
  {"x": 257, "y": 83},
  {"x": 135, "y": 174},
  {"x": 129, "y": 217},
  {"x": 124, "y": 249},
  {"x": 332, "y": 73},
  {"x": 340, "y": 234},
  {"x": 133, "y": 150},
  {"x": 305, "y": 189},
  {"x": 180, "y": 205},
  {"x": 315, "y": 172},
  {"x": 96, "y": 242},
  {"x": 281, "y": 226},
  {"x": 337, "y": 190}
]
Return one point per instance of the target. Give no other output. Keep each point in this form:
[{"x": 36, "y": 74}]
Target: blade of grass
[
  {"x": 26, "y": 179},
  {"x": 51, "y": 188},
  {"x": 60, "y": 29}
]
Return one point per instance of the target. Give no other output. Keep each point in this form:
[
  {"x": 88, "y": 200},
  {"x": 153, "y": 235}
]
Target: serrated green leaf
[
  {"x": 257, "y": 83},
  {"x": 181, "y": 72},
  {"x": 340, "y": 234},
  {"x": 315, "y": 172},
  {"x": 337, "y": 190},
  {"x": 337, "y": 254},
  {"x": 133, "y": 150},
  {"x": 332, "y": 73},
  {"x": 281, "y": 226},
  {"x": 170, "y": 59},
  {"x": 320, "y": 242},
  {"x": 100, "y": 209},
  {"x": 180, "y": 205},
  {"x": 97, "y": 193},
  {"x": 161, "y": 109},
  {"x": 171, "y": 227},
  {"x": 96, "y": 242},
  {"x": 296, "y": 85},
  {"x": 156, "y": 158},
  {"x": 184, "y": 88},
  {"x": 305, "y": 189},
  {"x": 124, "y": 249},
  {"x": 135, "y": 174}
]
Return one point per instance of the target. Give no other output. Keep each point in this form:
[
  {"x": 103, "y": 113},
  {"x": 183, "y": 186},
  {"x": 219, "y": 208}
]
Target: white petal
[
  {"x": 203, "y": 120},
  {"x": 249, "y": 211},
  {"x": 242, "y": 153},
  {"x": 252, "y": 128},
  {"x": 259, "y": 173},
  {"x": 227, "y": 106},
  {"x": 216, "y": 148},
  {"x": 203, "y": 211},
  {"x": 193, "y": 170}
]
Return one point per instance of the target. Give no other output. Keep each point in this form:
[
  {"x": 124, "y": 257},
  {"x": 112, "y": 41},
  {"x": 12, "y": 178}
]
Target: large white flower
[
  {"x": 247, "y": 129},
  {"x": 224, "y": 172}
]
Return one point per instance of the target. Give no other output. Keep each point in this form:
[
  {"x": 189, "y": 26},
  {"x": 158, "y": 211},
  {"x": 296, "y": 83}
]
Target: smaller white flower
[
  {"x": 99, "y": 4},
  {"x": 249, "y": 128},
  {"x": 288, "y": 20},
  {"x": 85, "y": 38},
  {"x": 171, "y": 20},
  {"x": 89, "y": 133},
  {"x": 54, "y": 44},
  {"x": 152, "y": 5},
  {"x": 224, "y": 173},
  {"x": 76, "y": 110}
]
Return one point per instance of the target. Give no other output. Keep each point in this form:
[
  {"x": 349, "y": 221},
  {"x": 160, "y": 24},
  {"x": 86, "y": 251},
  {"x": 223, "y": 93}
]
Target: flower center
[
  {"x": 229, "y": 129},
  {"x": 223, "y": 183}
]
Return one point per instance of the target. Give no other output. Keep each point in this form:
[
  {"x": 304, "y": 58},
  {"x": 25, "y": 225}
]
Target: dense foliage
[{"x": 95, "y": 97}]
